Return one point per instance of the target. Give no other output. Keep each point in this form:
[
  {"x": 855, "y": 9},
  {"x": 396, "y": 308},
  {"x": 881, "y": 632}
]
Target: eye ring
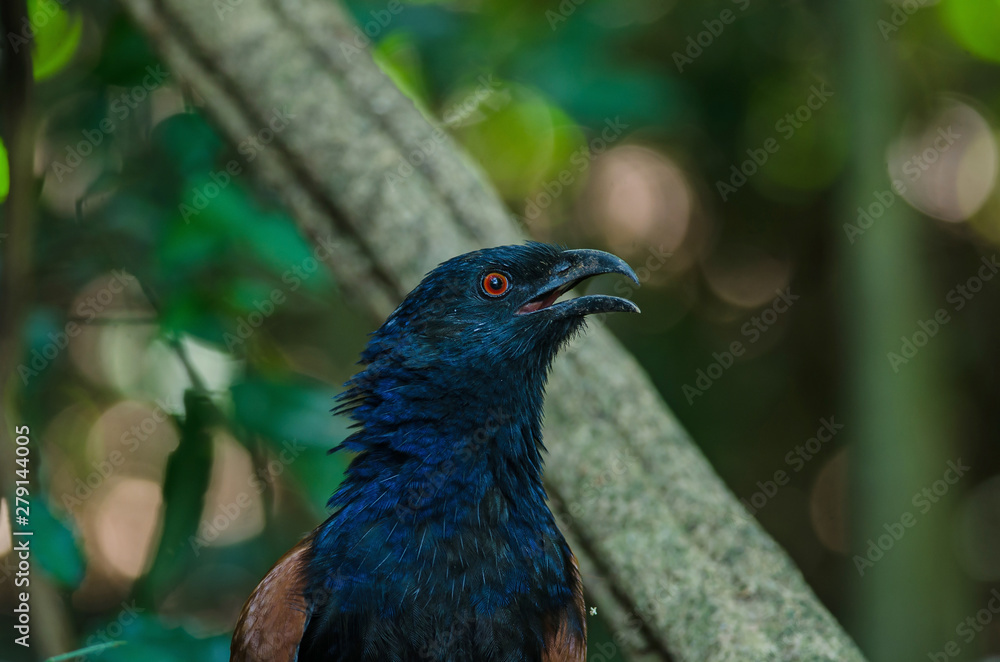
[{"x": 495, "y": 284}]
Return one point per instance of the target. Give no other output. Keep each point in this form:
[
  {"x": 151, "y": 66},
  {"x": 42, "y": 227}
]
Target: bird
[{"x": 441, "y": 545}]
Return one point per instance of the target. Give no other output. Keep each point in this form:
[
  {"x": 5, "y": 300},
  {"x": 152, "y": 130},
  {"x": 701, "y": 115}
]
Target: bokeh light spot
[
  {"x": 979, "y": 531},
  {"x": 828, "y": 506},
  {"x": 635, "y": 198},
  {"x": 6, "y": 539},
  {"x": 745, "y": 276},
  {"x": 125, "y": 525},
  {"x": 946, "y": 168},
  {"x": 233, "y": 509}
]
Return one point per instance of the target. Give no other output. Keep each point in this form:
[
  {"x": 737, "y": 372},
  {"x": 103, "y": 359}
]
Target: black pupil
[{"x": 496, "y": 283}]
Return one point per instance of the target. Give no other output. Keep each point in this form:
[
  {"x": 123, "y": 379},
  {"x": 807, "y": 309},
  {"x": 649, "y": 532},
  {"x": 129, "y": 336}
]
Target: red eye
[{"x": 495, "y": 284}]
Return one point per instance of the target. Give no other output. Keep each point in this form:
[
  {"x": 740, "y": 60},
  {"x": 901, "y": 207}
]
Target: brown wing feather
[
  {"x": 274, "y": 618},
  {"x": 564, "y": 643}
]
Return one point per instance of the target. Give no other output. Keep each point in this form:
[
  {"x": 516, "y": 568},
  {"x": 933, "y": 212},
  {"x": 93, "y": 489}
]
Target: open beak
[{"x": 575, "y": 267}]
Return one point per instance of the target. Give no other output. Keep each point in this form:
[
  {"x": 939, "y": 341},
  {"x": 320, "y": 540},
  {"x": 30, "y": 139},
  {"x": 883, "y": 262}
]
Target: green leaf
[
  {"x": 398, "y": 58},
  {"x": 185, "y": 483},
  {"x": 126, "y": 57},
  {"x": 56, "y": 547},
  {"x": 150, "y": 640},
  {"x": 975, "y": 25},
  {"x": 523, "y": 143},
  {"x": 4, "y": 173},
  {"x": 318, "y": 474},
  {"x": 57, "y": 35},
  {"x": 189, "y": 142},
  {"x": 286, "y": 411}
]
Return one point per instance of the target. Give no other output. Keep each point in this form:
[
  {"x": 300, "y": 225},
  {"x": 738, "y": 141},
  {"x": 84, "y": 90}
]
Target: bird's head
[
  {"x": 463, "y": 360},
  {"x": 501, "y": 307}
]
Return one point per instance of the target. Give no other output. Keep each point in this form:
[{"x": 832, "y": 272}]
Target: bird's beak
[{"x": 576, "y": 266}]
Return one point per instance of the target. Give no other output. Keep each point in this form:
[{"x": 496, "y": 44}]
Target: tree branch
[{"x": 667, "y": 551}]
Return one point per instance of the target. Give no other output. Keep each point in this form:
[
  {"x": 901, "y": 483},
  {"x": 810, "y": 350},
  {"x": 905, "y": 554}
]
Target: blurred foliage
[
  {"x": 4, "y": 173},
  {"x": 60, "y": 553},
  {"x": 56, "y": 38},
  {"x": 974, "y": 26},
  {"x": 601, "y": 123}
]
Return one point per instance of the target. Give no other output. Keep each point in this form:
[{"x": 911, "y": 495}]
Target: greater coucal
[{"x": 441, "y": 546}]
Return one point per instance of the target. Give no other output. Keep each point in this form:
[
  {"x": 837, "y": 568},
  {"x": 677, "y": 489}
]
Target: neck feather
[{"x": 430, "y": 436}]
